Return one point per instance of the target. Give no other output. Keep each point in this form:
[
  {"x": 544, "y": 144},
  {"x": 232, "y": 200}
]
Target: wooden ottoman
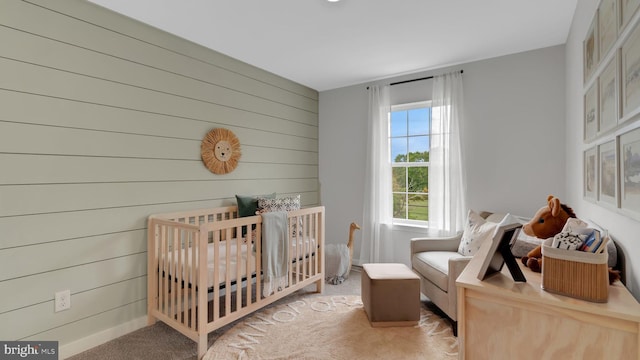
[{"x": 390, "y": 295}]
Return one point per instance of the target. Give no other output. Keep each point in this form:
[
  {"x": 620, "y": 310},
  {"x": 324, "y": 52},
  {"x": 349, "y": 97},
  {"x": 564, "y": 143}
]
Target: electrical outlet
[{"x": 62, "y": 300}]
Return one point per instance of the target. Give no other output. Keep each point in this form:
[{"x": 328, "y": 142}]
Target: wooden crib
[{"x": 226, "y": 280}]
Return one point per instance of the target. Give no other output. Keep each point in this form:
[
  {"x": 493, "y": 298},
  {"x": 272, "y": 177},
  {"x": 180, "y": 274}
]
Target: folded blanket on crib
[{"x": 275, "y": 251}]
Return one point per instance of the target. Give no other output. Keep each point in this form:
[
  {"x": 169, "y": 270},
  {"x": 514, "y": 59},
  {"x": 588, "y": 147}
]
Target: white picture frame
[
  {"x": 498, "y": 253},
  {"x": 630, "y": 173},
  {"x": 608, "y": 104},
  {"x": 630, "y": 75},
  {"x": 627, "y": 9},
  {"x": 607, "y": 26},
  {"x": 608, "y": 173},
  {"x": 590, "y": 171},
  {"x": 591, "y": 113},
  {"x": 590, "y": 49}
]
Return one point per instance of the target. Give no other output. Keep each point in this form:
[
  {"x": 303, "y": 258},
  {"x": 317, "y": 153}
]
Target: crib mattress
[{"x": 308, "y": 247}]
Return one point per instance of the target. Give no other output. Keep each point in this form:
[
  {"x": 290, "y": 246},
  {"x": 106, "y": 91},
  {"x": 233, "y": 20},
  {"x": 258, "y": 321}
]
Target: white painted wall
[
  {"x": 623, "y": 229},
  {"x": 513, "y": 143}
]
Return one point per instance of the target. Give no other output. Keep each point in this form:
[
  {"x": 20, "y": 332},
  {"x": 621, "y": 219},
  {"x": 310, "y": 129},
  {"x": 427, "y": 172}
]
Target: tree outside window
[{"x": 409, "y": 143}]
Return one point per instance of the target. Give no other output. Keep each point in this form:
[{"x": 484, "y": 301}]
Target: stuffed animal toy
[{"x": 546, "y": 223}]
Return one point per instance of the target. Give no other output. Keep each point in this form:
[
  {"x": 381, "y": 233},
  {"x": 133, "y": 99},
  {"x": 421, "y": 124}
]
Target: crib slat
[
  {"x": 175, "y": 285},
  {"x": 319, "y": 245},
  {"x": 258, "y": 260},
  {"x": 184, "y": 243},
  {"x": 319, "y": 231},
  {"x": 172, "y": 272},
  {"x": 299, "y": 251},
  {"x": 193, "y": 278},
  {"x": 239, "y": 253},
  {"x": 202, "y": 284},
  {"x": 298, "y": 245},
  {"x": 310, "y": 240},
  {"x": 165, "y": 269},
  {"x": 153, "y": 269},
  {"x": 306, "y": 246},
  {"x": 313, "y": 242},
  {"x": 184, "y": 272},
  {"x": 167, "y": 261},
  {"x": 216, "y": 275},
  {"x": 227, "y": 272},
  {"x": 291, "y": 252},
  {"x": 161, "y": 265},
  {"x": 248, "y": 239}
]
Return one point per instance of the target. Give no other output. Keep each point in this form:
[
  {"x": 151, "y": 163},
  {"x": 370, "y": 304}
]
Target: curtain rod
[{"x": 412, "y": 80}]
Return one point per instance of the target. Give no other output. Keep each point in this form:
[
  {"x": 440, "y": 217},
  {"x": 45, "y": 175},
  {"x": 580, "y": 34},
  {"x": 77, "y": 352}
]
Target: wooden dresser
[{"x": 501, "y": 319}]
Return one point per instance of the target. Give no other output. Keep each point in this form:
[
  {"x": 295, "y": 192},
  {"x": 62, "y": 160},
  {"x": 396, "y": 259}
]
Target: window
[{"x": 410, "y": 130}]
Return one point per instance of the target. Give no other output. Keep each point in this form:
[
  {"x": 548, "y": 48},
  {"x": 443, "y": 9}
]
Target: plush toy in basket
[{"x": 549, "y": 222}]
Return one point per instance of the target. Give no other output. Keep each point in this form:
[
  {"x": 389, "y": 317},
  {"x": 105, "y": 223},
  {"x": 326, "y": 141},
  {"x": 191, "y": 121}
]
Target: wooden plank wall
[{"x": 101, "y": 119}]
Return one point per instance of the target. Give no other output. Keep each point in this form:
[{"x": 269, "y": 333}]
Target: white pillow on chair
[{"x": 477, "y": 230}]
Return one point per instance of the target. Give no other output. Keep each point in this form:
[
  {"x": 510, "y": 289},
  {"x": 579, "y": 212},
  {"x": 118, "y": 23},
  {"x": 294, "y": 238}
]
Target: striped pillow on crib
[{"x": 282, "y": 204}]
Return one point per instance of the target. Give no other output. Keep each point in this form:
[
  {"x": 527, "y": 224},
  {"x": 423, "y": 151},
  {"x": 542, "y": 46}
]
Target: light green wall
[{"x": 101, "y": 120}]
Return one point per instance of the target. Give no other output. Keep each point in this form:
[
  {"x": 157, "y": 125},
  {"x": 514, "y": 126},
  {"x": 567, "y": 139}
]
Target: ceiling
[{"x": 326, "y": 45}]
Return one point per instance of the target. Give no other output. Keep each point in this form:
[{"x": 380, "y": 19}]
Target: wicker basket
[{"x": 573, "y": 273}]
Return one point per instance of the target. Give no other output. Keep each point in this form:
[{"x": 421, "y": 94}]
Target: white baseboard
[{"x": 91, "y": 341}]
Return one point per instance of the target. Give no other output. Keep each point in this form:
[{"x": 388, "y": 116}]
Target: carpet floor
[
  {"x": 160, "y": 341},
  {"x": 332, "y": 328}
]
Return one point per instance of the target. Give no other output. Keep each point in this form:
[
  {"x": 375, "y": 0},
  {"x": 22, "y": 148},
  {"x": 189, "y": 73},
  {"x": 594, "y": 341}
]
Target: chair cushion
[{"x": 434, "y": 266}]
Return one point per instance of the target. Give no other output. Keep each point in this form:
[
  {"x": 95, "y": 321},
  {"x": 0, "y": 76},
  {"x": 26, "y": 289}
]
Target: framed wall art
[
  {"x": 590, "y": 49},
  {"x": 591, "y": 174},
  {"x": 611, "y": 106},
  {"x": 607, "y": 26},
  {"x": 627, "y": 9},
  {"x": 631, "y": 74},
  {"x": 591, "y": 113},
  {"x": 608, "y": 97},
  {"x": 630, "y": 172},
  {"x": 607, "y": 175}
]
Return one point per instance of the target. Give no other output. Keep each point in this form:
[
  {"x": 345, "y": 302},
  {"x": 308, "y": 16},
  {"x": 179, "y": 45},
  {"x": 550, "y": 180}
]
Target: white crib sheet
[{"x": 233, "y": 274}]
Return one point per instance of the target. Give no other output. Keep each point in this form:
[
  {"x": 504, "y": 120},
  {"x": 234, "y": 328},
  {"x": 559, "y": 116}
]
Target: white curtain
[
  {"x": 377, "y": 181},
  {"x": 447, "y": 184}
]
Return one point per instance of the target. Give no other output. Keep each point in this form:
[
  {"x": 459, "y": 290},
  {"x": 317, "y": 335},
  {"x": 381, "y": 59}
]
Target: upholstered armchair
[{"x": 438, "y": 264}]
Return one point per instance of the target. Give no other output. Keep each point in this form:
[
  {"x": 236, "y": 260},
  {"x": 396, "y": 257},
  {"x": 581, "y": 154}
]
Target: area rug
[{"x": 321, "y": 327}]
